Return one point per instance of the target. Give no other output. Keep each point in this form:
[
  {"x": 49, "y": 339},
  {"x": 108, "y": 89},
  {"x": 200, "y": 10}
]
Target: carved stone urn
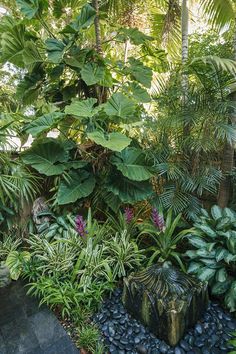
[
  {"x": 165, "y": 300},
  {"x": 5, "y": 278}
]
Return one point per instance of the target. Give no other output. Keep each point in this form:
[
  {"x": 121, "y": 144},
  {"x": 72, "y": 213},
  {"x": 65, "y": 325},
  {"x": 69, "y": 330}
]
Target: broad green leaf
[
  {"x": 197, "y": 241},
  {"x": 83, "y": 108},
  {"x": 28, "y": 89},
  {"x": 129, "y": 191},
  {"x": 31, "y": 54},
  {"x": 131, "y": 163},
  {"x": 136, "y": 37},
  {"x": 29, "y": 8},
  {"x": 192, "y": 254},
  {"x": 79, "y": 185},
  {"x": 216, "y": 212},
  {"x": 230, "y": 298},
  {"x": 55, "y": 50},
  {"x": 206, "y": 274},
  {"x": 229, "y": 213},
  {"x": 93, "y": 73},
  {"x": 119, "y": 105},
  {"x": 223, "y": 223},
  {"x": 194, "y": 267},
  {"x": 84, "y": 20},
  {"x": 221, "y": 253},
  {"x": 139, "y": 72},
  {"x": 44, "y": 123},
  {"x": 112, "y": 141},
  {"x": 220, "y": 288},
  {"x": 45, "y": 157},
  {"x": 12, "y": 42},
  {"x": 221, "y": 275},
  {"x": 139, "y": 93},
  {"x": 206, "y": 230}
]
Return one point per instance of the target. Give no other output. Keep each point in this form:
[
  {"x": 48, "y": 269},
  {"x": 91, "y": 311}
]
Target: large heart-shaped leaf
[
  {"x": 131, "y": 163},
  {"x": 136, "y": 37},
  {"x": 78, "y": 185},
  {"x": 83, "y": 108},
  {"x": 119, "y": 105},
  {"x": 12, "y": 42},
  {"x": 93, "y": 73},
  {"x": 44, "y": 123},
  {"x": 139, "y": 72},
  {"x": 31, "y": 54},
  {"x": 139, "y": 93},
  {"x": 112, "y": 141},
  {"x": 129, "y": 191},
  {"x": 55, "y": 50},
  {"x": 85, "y": 18},
  {"x": 29, "y": 8},
  {"x": 46, "y": 157}
]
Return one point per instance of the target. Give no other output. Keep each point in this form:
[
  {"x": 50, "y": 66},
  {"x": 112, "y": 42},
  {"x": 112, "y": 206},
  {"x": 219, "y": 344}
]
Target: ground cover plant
[{"x": 123, "y": 120}]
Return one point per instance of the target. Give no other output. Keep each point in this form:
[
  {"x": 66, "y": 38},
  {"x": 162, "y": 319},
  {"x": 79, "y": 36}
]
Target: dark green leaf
[
  {"x": 80, "y": 185},
  {"x": 119, "y": 105},
  {"x": 44, "y": 123},
  {"x": 139, "y": 72},
  {"x": 55, "y": 50},
  {"x": 131, "y": 163},
  {"x": 112, "y": 141}
]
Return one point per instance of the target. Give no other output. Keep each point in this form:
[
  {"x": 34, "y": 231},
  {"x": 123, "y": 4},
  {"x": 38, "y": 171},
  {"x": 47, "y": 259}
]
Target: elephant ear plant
[
  {"x": 213, "y": 258},
  {"x": 166, "y": 236}
]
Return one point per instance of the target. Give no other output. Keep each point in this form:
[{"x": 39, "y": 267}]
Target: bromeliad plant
[
  {"x": 214, "y": 256},
  {"x": 166, "y": 237}
]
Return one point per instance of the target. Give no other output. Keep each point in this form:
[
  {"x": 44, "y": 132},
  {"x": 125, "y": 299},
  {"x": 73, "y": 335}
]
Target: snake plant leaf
[
  {"x": 131, "y": 163},
  {"x": 112, "y": 141},
  {"x": 46, "y": 157},
  {"x": 140, "y": 72},
  {"x": 83, "y": 108},
  {"x": 44, "y": 123},
  {"x": 129, "y": 191},
  {"x": 30, "y": 8},
  {"x": 120, "y": 105},
  {"x": 79, "y": 185},
  {"x": 55, "y": 50}
]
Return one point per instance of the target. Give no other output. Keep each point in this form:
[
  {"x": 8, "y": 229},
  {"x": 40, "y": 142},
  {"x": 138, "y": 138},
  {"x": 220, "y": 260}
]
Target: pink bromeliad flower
[
  {"x": 80, "y": 225},
  {"x": 129, "y": 215},
  {"x": 158, "y": 220}
]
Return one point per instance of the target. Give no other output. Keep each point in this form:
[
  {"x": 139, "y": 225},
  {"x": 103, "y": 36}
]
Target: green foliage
[
  {"x": 165, "y": 240},
  {"x": 112, "y": 141},
  {"x": 214, "y": 256},
  {"x": 89, "y": 337},
  {"x": 16, "y": 261}
]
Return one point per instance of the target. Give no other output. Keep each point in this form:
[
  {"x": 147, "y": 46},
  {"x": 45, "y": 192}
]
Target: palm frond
[{"x": 219, "y": 13}]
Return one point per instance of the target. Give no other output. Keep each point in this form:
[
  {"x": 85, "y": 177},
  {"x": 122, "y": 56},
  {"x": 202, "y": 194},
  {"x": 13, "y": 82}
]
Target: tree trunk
[
  {"x": 97, "y": 27},
  {"x": 184, "y": 25},
  {"x": 227, "y": 163},
  {"x": 184, "y": 83}
]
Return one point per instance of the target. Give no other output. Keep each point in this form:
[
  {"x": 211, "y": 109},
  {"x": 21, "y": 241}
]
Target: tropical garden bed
[{"x": 117, "y": 143}]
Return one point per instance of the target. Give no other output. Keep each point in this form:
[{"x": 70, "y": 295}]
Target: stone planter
[
  {"x": 5, "y": 278},
  {"x": 166, "y": 300}
]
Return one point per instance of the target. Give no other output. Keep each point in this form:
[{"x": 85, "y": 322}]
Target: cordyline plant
[{"x": 166, "y": 237}]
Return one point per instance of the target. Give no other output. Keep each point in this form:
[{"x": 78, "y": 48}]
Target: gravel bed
[{"x": 124, "y": 335}]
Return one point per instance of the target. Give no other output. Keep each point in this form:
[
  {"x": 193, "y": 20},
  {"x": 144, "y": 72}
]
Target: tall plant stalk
[
  {"x": 184, "y": 83},
  {"x": 97, "y": 27}
]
